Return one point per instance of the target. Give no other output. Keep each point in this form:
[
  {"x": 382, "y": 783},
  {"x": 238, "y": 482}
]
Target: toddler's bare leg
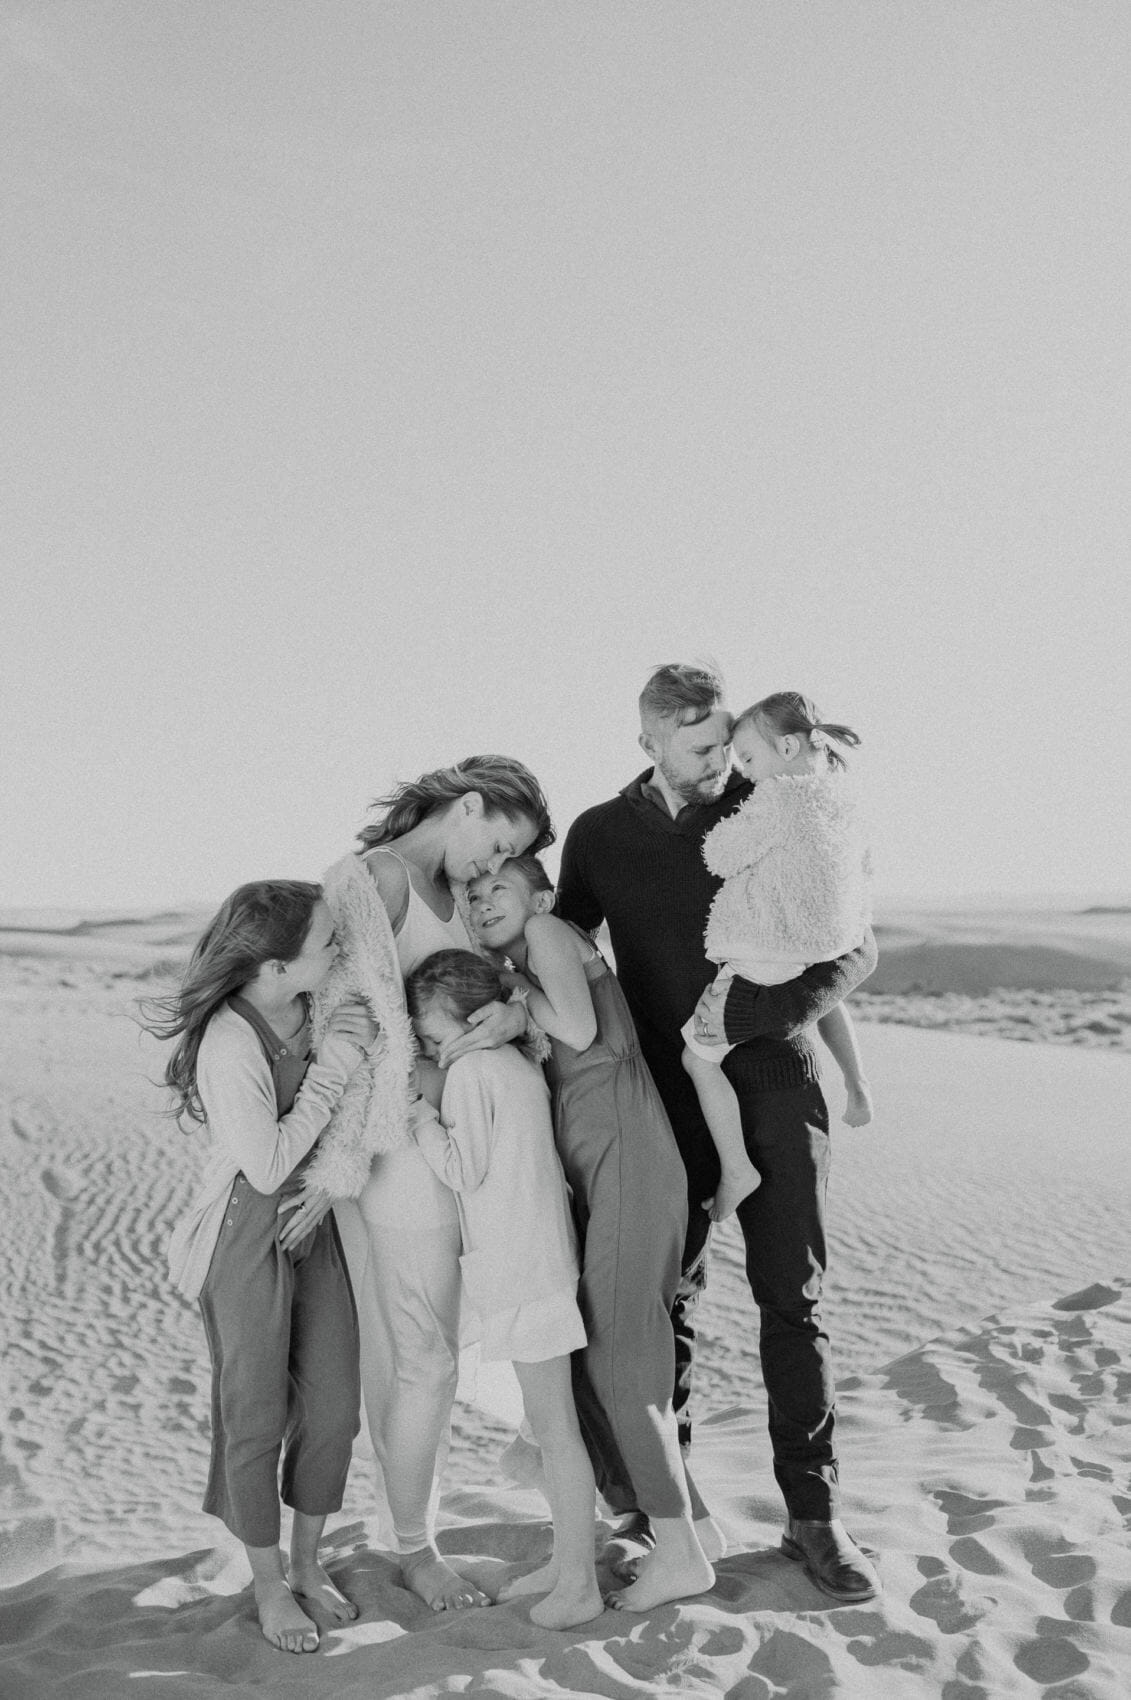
[{"x": 719, "y": 1104}]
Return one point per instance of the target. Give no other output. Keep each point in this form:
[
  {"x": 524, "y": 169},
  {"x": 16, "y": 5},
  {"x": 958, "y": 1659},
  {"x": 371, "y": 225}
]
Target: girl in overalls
[
  {"x": 630, "y": 1206},
  {"x": 280, "y": 1323}
]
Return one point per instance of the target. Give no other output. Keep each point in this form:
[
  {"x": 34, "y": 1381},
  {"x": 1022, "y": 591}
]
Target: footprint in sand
[
  {"x": 1050, "y": 1658},
  {"x": 1121, "y": 1611},
  {"x": 1057, "y": 1565},
  {"x": 964, "y": 1512},
  {"x": 947, "y": 1600},
  {"x": 972, "y": 1555}
]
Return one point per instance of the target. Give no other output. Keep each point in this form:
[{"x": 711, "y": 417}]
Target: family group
[{"x": 436, "y": 1115}]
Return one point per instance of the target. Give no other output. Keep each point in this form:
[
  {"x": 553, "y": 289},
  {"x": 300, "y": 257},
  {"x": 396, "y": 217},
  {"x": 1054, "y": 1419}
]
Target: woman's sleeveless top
[{"x": 422, "y": 932}]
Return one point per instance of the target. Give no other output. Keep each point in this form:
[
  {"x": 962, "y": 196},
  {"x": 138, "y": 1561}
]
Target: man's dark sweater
[{"x": 629, "y": 863}]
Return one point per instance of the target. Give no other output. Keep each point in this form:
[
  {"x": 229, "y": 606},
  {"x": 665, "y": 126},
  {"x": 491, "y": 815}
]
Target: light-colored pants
[{"x": 402, "y": 1244}]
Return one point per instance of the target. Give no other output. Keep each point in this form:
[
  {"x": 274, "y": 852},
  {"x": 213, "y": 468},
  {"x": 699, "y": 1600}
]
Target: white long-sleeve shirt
[
  {"x": 248, "y": 1136},
  {"x": 495, "y": 1148}
]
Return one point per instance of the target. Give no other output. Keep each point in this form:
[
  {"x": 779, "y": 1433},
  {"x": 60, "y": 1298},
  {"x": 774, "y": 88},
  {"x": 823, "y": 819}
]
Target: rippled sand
[{"x": 985, "y": 1437}]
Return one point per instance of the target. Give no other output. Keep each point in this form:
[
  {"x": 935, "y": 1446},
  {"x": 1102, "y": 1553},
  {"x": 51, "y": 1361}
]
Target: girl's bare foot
[
  {"x": 282, "y": 1619},
  {"x": 540, "y": 1581},
  {"x": 434, "y": 1581},
  {"x": 310, "y": 1582},
  {"x": 735, "y": 1184},
  {"x": 567, "y": 1604},
  {"x": 664, "y": 1576}
]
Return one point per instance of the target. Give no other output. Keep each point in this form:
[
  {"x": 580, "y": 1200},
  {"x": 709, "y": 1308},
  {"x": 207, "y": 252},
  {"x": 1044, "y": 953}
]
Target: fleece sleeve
[
  {"x": 238, "y": 1095},
  {"x": 780, "y": 1012},
  {"x": 458, "y": 1147}
]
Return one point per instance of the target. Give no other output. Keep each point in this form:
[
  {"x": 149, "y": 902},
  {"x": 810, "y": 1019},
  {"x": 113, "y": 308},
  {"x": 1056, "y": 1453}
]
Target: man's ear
[{"x": 648, "y": 745}]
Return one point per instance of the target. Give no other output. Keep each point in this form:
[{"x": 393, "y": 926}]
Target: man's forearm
[{"x": 780, "y": 1012}]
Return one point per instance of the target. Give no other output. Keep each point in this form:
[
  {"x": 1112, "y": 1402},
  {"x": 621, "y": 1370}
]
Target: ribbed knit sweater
[{"x": 628, "y": 863}]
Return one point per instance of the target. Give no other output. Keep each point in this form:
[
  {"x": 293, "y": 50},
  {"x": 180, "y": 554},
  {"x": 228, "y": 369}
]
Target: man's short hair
[{"x": 681, "y": 694}]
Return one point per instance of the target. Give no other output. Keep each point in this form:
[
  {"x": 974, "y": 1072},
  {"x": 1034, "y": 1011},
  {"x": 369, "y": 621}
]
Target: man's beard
[{"x": 694, "y": 791}]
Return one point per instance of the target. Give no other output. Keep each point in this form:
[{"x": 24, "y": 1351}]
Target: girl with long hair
[
  {"x": 279, "y": 1320},
  {"x": 630, "y": 1206}
]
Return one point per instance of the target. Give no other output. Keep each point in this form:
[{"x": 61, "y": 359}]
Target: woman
[{"x": 394, "y": 903}]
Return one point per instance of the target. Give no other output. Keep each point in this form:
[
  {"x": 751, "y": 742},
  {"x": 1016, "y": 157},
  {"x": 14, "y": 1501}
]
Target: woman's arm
[{"x": 564, "y": 1006}]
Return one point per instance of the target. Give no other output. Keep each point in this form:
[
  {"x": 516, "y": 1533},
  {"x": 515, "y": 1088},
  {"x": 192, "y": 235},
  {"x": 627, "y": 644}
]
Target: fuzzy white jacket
[
  {"x": 375, "y": 1112},
  {"x": 795, "y": 872},
  {"x": 372, "y": 1114}
]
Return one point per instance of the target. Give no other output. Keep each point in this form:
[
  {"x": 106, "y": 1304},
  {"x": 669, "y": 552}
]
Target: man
[{"x": 636, "y": 862}]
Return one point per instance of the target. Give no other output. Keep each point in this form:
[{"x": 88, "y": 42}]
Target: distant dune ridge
[{"x": 979, "y": 1302}]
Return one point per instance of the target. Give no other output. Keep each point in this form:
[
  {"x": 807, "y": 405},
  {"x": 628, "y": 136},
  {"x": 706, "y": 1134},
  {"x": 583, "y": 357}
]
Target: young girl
[
  {"x": 630, "y": 1205},
  {"x": 794, "y": 892},
  {"x": 494, "y": 1148},
  {"x": 280, "y": 1324}
]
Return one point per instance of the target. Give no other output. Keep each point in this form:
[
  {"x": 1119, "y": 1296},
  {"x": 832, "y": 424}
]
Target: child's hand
[
  {"x": 494, "y": 1025},
  {"x": 858, "y": 1110},
  {"x": 353, "y": 1021}
]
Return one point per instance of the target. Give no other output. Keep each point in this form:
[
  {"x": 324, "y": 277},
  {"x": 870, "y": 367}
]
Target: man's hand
[
  {"x": 494, "y": 1025},
  {"x": 709, "y": 1012}
]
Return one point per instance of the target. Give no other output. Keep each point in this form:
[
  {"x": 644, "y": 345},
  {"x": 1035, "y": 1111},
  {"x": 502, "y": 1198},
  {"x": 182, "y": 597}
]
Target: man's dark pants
[{"x": 783, "y": 1227}]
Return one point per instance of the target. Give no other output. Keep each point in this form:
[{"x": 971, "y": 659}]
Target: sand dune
[{"x": 986, "y": 1461}]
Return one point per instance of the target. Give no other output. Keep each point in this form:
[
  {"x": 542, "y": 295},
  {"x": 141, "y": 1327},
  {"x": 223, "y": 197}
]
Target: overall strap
[{"x": 287, "y": 1070}]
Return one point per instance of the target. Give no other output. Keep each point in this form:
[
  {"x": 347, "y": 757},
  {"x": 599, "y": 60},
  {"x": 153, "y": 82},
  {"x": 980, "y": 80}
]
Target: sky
[{"x": 391, "y": 382}]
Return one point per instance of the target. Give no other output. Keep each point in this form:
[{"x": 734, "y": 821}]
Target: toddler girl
[
  {"x": 280, "y": 1324},
  {"x": 494, "y": 1147},
  {"x": 630, "y": 1205},
  {"x": 794, "y": 892}
]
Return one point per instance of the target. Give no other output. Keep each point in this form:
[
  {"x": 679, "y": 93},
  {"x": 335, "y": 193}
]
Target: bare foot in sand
[
  {"x": 430, "y": 1577},
  {"x": 568, "y": 1603},
  {"x": 539, "y": 1581},
  {"x": 735, "y": 1184},
  {"x": 310, "y": 1582},
  {"x": 664, "y": 1575},
  {"x": 282, "y": 1619}
]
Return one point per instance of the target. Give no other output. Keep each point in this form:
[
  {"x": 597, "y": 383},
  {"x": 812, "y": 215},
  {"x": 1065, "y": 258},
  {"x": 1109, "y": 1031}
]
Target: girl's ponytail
[{"x": 788, "y": 712}]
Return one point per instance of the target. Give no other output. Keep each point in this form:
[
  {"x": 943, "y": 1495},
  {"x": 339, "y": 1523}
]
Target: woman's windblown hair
[
  {"x": 505, "y": 785},
  {"x": 264, "y": 921}
]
